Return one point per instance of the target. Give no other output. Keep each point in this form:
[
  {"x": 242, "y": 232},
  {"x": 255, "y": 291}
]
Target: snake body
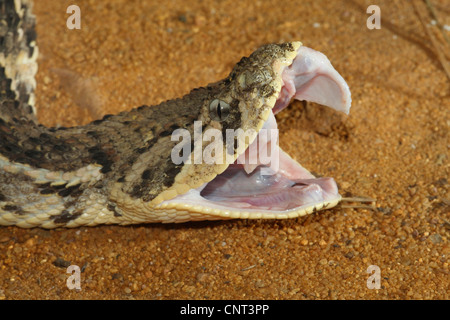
[{"x": 120, "y": 169}]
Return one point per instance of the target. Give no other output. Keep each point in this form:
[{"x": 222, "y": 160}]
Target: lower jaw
[
  {"x": 291, "y": 192},
  {"x": 291, "y": 187},
  {"x": 193, "y": 207}
]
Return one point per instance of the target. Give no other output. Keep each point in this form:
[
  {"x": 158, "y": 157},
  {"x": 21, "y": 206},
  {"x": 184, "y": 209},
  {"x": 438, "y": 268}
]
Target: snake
[{"x": 145, "y": 165}]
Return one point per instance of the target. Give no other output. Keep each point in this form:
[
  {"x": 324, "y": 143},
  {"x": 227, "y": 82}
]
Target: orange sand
[{"x": 393, "y": 147}]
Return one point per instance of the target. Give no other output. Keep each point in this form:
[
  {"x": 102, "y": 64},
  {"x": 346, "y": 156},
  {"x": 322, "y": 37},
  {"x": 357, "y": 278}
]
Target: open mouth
[{"x": 282, "y": 188}]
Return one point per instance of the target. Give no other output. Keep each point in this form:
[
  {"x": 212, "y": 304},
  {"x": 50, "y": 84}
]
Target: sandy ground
[{"x": 393, "y": 146}]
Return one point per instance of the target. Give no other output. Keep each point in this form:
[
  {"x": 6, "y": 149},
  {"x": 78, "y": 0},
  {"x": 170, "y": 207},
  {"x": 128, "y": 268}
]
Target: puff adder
[{"x": 120, "y": 169}]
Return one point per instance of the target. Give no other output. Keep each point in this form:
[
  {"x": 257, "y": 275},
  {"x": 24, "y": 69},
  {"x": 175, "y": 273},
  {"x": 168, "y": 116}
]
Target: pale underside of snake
[{"x": 120, "y": 170}]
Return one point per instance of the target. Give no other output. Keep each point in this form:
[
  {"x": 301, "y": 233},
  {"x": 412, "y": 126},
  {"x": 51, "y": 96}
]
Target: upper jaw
[{"x": 311, "y": 77}]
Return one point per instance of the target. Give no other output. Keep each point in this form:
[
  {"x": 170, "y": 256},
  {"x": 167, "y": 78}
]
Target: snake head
[{"x": 244, "y": 186}]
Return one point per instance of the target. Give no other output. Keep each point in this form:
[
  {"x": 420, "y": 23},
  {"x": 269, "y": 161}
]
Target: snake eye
[{"x": 219, "y": 110}]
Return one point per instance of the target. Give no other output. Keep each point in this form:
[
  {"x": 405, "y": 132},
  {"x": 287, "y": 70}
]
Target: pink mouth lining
[{"x": 311, "y": 77}]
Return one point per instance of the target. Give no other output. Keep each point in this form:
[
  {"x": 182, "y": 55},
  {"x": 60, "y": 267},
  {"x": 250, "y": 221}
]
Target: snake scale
[{"x": 120, "y": 169}]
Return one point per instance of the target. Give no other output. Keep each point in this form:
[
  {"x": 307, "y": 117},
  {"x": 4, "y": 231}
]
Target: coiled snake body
[{"x": 120, "y": 169}]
